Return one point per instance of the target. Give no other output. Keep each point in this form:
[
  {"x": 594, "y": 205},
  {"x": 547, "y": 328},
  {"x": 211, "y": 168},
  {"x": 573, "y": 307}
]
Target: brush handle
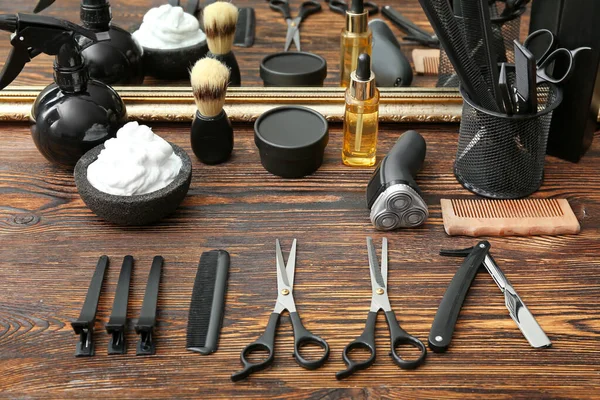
[
  {"x": 235, "y": 77},
  {"x": 212, "y": 138}
]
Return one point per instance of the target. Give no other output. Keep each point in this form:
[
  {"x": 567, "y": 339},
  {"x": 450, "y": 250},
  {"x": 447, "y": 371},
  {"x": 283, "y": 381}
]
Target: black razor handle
[
  {"x": 447, "y": 314},
  {"x": 389, "y": 64}
]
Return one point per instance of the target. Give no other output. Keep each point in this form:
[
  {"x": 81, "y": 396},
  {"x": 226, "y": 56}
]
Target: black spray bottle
[
  {"x": 76, "y": 113},
  {"x": 118, "y": 61}
]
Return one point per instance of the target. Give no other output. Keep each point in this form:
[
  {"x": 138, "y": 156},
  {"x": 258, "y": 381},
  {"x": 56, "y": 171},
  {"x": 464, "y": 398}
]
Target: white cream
[
  {"x": 168, "y": 27},
  {"x": 135, "y": 162}
]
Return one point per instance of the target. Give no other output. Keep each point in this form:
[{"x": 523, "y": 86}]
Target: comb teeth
[
  {"x": 509, "y": 217},
  {"x": 208, "y": 298},
  {"x": 426, "y": 61}
]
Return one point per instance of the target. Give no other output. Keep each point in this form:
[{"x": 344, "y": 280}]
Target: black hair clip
[
  {"x": 147, "y": 319},
  {"x": 118, "y": 317}
]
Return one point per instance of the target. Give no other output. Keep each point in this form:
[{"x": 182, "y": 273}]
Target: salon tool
[
  {"x": 505, "y": 91},
  {"x": 302, "y": 337},
  {"x": 427, "y": 61},
  {"x": 191, "y": 7},
  {"x": 356, "y": 39},
  {"x": 208, "y": 302},
  {"x": 389, "y": 64},
  {"x": 341, "y": 6},
  {"x": 76, "y": 113},
  {"x": 512, "y": 7},
  {"x": 444, "y": 322},
  {"x": 526, "y": 217},
  {"x": 575, "y": 23},
  {"x": 245, "y": 27},
  {"x": 211, "y": 133},
  {"x": 291, "y": 140},
  {"x": 293, "y": 31},
  {"x": 415, "y": 33},
  {"x": 293, "y": 69},
  {"x": 361, "y": 118},
  {"x": 220, "y": 19},
  {"x": 114, "y": 62},
  {"x": 452, "y": 38},
  {"x": 146, "y": 345},
  {"x": 525, "y": 86},
  {"x": 393, "y": 196},
  {"x": 118, "y": 317},
  {"x": 84, "y": 326},
  {"x": 380, "y": 301}
]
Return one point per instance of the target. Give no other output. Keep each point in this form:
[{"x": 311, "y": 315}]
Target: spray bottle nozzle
[{"x": 35, "y": 34}]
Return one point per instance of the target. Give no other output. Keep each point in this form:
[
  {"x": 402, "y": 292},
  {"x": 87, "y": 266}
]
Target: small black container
[
  {"x": 291, "y": 140},
  {"x": 293, "y": 69},
  {"x": 212, "y": 138}
]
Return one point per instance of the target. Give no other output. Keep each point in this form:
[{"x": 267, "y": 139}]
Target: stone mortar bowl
[{"x": 141, "y": 209}]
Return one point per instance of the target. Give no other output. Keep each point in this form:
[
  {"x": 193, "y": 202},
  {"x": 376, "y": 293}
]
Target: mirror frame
[{"x": 176, "y": 104}]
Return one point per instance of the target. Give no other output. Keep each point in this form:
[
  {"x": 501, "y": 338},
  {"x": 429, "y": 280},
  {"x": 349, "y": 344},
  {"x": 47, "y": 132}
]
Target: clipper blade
[{"x": 399, "y": 206}]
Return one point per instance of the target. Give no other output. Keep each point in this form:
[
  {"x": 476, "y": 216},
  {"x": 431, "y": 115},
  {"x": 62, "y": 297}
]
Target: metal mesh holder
[
  {"x": 501, "y": 156},
  {"x": 505, "y": 30}
]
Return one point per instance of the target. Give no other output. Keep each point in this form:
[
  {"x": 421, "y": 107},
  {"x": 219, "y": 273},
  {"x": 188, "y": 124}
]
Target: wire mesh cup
[
  {"x": 502, "y": 156},
  {"x": 505, "y": 29}
]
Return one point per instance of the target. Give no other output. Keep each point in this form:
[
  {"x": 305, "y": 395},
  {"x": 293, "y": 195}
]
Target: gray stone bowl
[{"x": 141, "y": 209}]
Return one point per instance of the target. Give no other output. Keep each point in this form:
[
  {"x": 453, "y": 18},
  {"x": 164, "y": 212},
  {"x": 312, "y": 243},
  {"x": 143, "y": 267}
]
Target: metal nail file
[{"x": 518, "y": 311}]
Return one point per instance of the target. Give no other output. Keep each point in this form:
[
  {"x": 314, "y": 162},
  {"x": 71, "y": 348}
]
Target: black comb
[{"x": 208, "y": 302}]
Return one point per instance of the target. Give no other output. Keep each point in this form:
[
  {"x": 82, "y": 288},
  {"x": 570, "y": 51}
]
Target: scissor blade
[
  {"x": 282, "y": 276},
  {"x": 290, "y": 35},
  {"x": 297, "y": 38},
  {"x": 291, "y": 264},
  {"x": 373, "y": 265}
]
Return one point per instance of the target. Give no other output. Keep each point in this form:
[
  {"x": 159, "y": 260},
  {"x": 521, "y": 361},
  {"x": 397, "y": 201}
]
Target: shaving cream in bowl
[
  {"x": 136, "y": 178},
  {"x": 172, "y": 41}
]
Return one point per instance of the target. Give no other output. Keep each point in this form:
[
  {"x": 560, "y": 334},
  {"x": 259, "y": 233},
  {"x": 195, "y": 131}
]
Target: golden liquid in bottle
[
  {"x": 353, "y": 44},
  {"x": 361, "y": 126}
]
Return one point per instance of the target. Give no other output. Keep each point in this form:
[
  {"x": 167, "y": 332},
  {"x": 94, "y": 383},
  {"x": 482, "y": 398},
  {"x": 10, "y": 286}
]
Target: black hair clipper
[{"x": 392, "y": 194}]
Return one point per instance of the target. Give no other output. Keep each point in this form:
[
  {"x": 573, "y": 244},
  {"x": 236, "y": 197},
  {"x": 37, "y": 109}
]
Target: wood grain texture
[
  {"x": 320, "y": 33},
  {"x": 51, "y": 242}
]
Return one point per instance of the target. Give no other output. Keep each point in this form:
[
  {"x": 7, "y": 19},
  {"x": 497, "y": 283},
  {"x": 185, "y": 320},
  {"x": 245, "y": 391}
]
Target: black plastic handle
[
  {"x": 405, "y": 159},
  {"x": 445, "y": 319},
  {"x": 283, "y": 6},
  {"x": 307, "y": 8},
  {"x": 389, "y": 64},
  {"x": 399, "y": 336},
  {"x": 264, "y": 343},
  {"x": 365, "y": 341},
  {"x": 303, "y": 337}
]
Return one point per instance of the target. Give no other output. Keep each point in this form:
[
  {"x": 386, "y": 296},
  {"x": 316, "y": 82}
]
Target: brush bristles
[
  {"x": 220, "y": 19},
  {"x": 209, "y": 78}
]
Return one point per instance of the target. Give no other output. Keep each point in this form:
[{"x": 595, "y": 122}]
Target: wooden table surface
[
  {"x": 51, "y": 242},
  {"x": 320, "y": 34}
]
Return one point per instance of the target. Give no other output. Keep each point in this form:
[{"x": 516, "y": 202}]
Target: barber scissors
[
  {"x": 293, "y": 32},
  {"x": 340, "y": 6},
  {"x": 285, "y": 301},
  {"x": 544, "y": 47},
  {"x": 380, "y": 301}
]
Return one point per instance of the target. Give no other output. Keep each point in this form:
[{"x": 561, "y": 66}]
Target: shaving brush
[
  {"x": 220, "y": 19},
  {"x": 211, "y": 134}
]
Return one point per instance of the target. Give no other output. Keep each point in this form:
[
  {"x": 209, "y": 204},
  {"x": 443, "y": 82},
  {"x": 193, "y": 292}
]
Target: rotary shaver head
[{"x": 392, "y": 194}]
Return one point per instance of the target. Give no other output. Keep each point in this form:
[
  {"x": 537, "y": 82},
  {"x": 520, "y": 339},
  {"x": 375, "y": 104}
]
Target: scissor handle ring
[
  {"x": 412, "y": 341},
  {"x": 306, "y": 340}
]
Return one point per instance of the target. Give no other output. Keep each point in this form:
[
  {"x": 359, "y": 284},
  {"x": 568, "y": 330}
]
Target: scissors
[
  {"x": 293, "y": 32},
  {"x": 285, "y": 301},
  {"x": 544, "y": 47},
  {"x": 340, "y": 6},
  {"x": 380, "y": 301}
]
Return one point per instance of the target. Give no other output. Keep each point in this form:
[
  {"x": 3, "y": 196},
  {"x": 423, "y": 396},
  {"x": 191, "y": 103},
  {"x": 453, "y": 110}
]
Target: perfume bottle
[
  {"x": 356, "y": 39},
  {"x": 361, "y": 119}
]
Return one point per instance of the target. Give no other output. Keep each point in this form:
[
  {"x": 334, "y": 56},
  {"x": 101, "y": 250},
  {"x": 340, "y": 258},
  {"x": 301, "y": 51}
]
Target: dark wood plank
[
  {"x": 320, "y": 34},
  {"x": 51, "y": 241}
]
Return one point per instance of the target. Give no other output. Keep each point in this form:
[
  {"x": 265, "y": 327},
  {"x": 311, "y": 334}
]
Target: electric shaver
[{"x": 393, "y": 196}]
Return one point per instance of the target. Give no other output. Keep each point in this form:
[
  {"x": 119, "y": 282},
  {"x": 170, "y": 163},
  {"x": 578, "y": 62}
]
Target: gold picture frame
[{"x": 246, "y": 104}]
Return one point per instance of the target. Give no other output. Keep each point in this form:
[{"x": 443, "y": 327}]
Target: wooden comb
[
  {"x": 524, "y": 217},
  {"x": 427, "y": 61}
]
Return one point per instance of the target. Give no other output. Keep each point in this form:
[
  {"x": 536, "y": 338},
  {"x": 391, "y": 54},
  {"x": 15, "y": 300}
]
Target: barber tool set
[{"x": 127, "y": 175}]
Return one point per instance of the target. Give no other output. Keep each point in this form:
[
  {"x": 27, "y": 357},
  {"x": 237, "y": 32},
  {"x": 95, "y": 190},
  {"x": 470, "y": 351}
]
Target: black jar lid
[
  {"x": 293, "y": 69},
  {"x": 291, "y": 132}
]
